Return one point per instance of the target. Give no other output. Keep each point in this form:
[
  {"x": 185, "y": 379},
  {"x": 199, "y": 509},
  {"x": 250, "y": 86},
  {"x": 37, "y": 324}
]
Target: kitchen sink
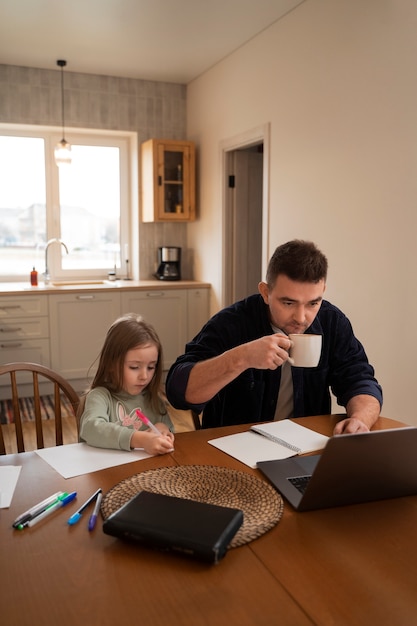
[{"x": 68, "y": 283}]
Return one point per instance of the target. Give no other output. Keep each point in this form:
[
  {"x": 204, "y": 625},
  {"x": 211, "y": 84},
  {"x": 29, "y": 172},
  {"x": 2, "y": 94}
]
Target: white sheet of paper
[
  {"x": 8, "y": 481},
  {"x": 249, "y": 448},
  {"x": 75, "y": 459}
]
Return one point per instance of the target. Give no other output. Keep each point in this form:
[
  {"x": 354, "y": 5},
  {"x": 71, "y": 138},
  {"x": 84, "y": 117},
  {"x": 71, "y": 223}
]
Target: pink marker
[{"x": 147, "y": 422}]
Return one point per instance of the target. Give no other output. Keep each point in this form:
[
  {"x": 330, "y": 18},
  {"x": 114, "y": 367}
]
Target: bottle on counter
[{"x": 34, "y": 278}]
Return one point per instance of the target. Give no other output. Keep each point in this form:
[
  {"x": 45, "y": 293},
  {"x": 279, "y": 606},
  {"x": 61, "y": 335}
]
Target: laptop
[{"x": 352, "y": 468}]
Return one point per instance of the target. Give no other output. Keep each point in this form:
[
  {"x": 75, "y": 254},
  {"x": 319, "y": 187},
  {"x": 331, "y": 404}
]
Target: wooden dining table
[{"x": 352, "y": 565}]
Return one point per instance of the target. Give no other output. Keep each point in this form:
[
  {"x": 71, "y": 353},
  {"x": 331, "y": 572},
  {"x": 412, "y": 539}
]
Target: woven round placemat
[{"x": 262, "y": 506}]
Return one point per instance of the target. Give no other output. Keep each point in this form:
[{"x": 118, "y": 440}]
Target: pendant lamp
[{"x": 63, "y": 148}]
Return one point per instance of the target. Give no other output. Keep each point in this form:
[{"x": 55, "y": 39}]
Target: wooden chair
[
  {"x": 61, "y": 387},
  {"x": 196, "y": 420}
]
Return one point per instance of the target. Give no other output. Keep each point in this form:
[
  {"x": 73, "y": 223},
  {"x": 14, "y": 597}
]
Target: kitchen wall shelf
[{"x": 167, "y": 181}]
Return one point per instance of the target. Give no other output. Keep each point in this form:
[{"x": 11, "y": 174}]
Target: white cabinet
[
  {"x": 166, "y": 310},
  {"x": 66, "y": 331},
  {"x": 198, "y": 307},
  {"x": 24, "y": 331},
  {"x": 176, "y": 314},
  {"x": 78, "y": 326},
  {"x": 22, "y": 306}
]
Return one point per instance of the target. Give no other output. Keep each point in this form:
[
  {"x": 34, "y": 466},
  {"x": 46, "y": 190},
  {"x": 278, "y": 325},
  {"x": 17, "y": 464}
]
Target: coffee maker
[{"x": 169, "y": 263}]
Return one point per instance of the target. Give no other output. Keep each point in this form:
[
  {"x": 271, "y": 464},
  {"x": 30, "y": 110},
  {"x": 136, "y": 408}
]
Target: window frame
[{"x": 127, "y": 141}]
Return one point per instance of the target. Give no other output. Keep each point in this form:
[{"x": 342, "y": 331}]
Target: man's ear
[{"x": 264, "y": 291}]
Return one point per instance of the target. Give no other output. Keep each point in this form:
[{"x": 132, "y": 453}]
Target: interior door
[{"x": 244, "y": 207}]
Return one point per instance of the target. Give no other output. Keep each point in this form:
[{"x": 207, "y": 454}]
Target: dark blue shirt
[{"x": 252, "y": 396}]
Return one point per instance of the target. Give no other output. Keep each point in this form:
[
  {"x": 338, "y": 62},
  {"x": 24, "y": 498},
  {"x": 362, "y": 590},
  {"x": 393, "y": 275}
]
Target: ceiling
[{"x": 163, "y": 40}]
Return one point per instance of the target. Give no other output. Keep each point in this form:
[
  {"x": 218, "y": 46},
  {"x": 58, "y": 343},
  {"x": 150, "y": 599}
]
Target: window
[{"x": 88, "y": 204}]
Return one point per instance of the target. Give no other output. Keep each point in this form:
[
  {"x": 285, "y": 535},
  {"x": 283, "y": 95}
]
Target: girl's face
[{"x": 139, "y": 368}]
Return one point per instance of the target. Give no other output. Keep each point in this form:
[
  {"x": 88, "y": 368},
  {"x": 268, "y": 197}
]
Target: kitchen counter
[
  {"x": 63, "y": 325},
  {"x": 62, "y": 286}
]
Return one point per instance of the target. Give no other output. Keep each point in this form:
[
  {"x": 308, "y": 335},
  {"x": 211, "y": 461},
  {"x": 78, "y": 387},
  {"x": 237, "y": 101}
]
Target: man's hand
[
  {"x": 208, "y": 377},
  {"x": 362, "y": 413},
  {"x": 268, "y": 352},
  {"x": 350, "y": 425}
]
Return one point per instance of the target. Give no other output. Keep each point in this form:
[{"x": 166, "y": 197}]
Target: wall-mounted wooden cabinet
[{"x": 167, "y": 181}]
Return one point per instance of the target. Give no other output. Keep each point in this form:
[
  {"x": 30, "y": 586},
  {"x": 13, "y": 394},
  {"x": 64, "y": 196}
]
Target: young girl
[{"x": 128, "y": 378}]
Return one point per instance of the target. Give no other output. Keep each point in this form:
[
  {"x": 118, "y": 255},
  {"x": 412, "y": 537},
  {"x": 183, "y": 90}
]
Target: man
[{"x": 236, "y": 369}]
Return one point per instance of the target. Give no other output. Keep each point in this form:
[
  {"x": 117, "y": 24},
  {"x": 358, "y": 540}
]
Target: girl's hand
[
  {"x": 151, "y": 442},
  {"x": 163, "y": 428}
]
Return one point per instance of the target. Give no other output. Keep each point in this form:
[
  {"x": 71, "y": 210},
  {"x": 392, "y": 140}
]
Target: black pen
[
  {"x": 36, "y": 510},
  {"x": 62, "y": 501},
  {"x": 77, "y": 515}
]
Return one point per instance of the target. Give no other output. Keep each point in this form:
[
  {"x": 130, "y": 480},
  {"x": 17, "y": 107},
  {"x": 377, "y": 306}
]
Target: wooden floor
[
  {"x": 29, "y": 434},
  {"x": 182, "y": 421}
]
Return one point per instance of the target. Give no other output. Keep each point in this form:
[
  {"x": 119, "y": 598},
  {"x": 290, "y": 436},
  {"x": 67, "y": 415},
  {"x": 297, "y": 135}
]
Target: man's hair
[{"x": 300, "y": 260}]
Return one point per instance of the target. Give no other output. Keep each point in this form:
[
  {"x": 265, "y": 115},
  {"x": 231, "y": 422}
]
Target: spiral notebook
[{"x": 270, "y": 442}]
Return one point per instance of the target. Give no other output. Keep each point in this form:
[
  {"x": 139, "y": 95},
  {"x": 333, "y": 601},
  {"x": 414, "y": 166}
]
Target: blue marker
[{"x": 77, "y": 515}]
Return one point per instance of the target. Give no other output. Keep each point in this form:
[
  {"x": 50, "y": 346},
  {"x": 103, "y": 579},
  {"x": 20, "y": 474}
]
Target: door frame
[{"x": 260, "y": 134}]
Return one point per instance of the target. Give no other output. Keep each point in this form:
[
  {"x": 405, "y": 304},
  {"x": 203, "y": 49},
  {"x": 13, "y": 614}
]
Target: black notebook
[{"x": 197, "y": 529}]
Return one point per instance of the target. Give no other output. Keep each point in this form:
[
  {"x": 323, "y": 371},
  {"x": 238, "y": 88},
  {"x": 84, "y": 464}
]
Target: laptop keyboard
[{"x": 300, "y": 482}]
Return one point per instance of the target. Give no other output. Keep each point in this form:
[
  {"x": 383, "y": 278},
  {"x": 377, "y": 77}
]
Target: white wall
[{"x": 337, "y": 81}]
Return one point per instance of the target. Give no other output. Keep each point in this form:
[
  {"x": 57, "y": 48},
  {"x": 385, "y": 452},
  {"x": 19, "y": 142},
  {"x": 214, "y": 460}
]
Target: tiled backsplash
[{"x": 152, "y": 109}]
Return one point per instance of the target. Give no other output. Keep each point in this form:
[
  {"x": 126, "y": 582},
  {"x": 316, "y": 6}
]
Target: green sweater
[{"x": 109, "y": 420}]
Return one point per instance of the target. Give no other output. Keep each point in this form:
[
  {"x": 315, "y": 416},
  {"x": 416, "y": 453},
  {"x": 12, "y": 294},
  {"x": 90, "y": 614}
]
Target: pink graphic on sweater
[{"x": 128, "y": 419}]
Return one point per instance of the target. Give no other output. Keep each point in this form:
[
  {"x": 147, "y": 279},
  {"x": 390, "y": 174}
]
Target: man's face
[{"x": 293, "y": 305}]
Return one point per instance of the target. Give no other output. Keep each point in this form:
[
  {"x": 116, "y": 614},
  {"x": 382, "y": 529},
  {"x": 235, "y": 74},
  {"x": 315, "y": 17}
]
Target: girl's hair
[{"x": 127, "y": 332}]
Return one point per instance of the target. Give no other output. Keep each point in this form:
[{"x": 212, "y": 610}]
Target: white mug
[{"x": 305, "y": 350}]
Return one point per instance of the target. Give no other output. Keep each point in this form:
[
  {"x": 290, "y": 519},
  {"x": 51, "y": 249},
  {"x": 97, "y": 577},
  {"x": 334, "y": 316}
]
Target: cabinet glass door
[{"x": 173, "y": 196}]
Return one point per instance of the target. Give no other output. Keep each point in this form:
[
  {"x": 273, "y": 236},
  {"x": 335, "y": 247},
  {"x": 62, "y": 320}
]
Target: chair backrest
[
  {"x": 61, "y": 388},
  {"x": 196, "y": 420}
]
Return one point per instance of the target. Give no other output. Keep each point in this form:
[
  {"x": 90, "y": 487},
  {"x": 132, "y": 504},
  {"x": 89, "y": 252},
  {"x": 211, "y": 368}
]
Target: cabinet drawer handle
[
  {"x": 155, "y": 294},
  {"x": 86, "y": 297},
  {"x": 9, "y": 330},
  {"x": 11, "y": 345},
  {"x": 7, "y": 307}
]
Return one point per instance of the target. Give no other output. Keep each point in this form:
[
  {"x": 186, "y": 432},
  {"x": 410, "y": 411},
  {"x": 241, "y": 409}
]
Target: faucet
[{"x": 48, "y": 243}]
